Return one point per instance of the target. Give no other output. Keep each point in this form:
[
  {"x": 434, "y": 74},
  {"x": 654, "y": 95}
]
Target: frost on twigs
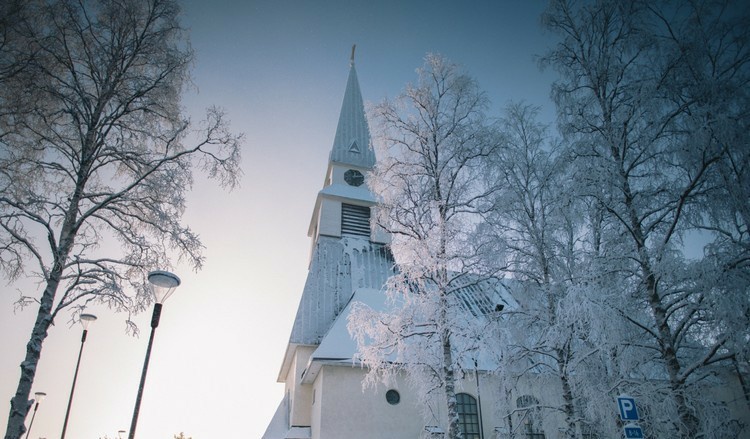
[
  {"x": 432, "y": 139},
  {"x": 644, "y": 96},
  {"x": 97, "y": 159}
]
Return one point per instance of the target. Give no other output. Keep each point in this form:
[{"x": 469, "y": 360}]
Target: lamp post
[
  {"x": 164, "y": 284},
  {"x": 38, "y": 397},
  {"x": 86, "y": 320}
]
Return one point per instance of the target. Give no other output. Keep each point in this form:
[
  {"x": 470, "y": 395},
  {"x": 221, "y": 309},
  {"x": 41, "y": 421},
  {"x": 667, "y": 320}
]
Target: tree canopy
[
  {"x": 624, "y": 233},
  {"x": 95, "y": 149}
]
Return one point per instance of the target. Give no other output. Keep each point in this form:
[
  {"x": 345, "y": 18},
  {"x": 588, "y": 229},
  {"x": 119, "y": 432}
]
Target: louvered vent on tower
[{"x": 355, "y": 220}]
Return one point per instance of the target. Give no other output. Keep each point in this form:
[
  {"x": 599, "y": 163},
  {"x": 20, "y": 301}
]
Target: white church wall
[
  {"x": 346, "y": 410},
  {"x": 315, "y": 409},
  {"x": 343, "y": 409},
  {"x": 300, "y": 395}
]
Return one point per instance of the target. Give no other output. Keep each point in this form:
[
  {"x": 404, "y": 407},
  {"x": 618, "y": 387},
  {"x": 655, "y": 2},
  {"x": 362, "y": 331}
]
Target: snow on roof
[
  {"x": 338, "y": 344},
  {"x": 482, "y": 295},
  {"x": 339, "y": 267},
  {"x": 478, "y": 297}
]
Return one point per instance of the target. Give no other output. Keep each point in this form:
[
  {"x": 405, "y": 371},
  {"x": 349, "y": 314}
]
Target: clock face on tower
[{"x": 354, "y": 178}]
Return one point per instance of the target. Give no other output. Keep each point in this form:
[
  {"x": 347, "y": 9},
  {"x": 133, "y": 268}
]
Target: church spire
[{"x": 351, "y": 146}]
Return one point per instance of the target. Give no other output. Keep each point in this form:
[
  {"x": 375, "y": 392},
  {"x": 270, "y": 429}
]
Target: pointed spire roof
[{"x": 352, "y": 142}]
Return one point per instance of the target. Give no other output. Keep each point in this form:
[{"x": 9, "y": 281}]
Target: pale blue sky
[{"x": 279, "y": 68}]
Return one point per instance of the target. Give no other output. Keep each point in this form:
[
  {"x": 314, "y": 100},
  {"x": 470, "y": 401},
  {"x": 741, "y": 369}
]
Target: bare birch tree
[
  {"x": 646, "y": 96},
  {"x": 435, "y": 139},
  {"x": 95, "y": 149}
]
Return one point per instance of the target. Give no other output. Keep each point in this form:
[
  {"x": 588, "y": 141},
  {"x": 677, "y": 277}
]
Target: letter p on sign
[{"x": 628, "y": 411}]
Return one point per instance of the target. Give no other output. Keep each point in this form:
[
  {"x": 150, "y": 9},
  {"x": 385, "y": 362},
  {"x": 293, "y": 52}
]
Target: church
[{"x": 350, "y": 261}]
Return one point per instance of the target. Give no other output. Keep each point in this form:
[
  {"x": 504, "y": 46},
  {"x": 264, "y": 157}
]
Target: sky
[{"x": 279, "y": 69}]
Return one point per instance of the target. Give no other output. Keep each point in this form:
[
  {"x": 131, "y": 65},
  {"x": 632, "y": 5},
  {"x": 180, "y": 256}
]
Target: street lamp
[
  {"x": 86, "y": 320},
  {"x": 38, "y": 397},
  {"x": 164, "y": 284}
]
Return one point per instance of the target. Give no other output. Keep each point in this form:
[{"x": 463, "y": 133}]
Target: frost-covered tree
[
  {"x": 17, "y": 50},
  {"x": 712, "y": 82},
  {"x": 14, "y": 51},
  {"x": 435, "y": 139},
  {"x": 538, "y": 224},
  {"x": 652, "y": 98},
  {"x": 94, "y": 149}
]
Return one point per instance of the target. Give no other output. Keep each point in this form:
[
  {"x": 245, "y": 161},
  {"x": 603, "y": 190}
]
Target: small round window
[{"x": 392, "y": 397}]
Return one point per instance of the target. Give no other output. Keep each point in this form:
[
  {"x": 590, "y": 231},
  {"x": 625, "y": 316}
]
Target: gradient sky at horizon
[{"x": 279, "y": 68}]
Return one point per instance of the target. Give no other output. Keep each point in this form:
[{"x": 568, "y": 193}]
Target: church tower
[
  {"x": 347, "y": 254},
  {"x": 343, "y": 205}
]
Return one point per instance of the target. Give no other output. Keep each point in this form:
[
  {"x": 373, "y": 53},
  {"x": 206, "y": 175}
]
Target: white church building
[{"x": 350, "y": 262}]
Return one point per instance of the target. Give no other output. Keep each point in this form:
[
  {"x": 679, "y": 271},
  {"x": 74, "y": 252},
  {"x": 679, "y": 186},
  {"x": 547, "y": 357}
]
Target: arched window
[
  {"x": 468, "y": 416},
  {"x": 528, "y": 410}
]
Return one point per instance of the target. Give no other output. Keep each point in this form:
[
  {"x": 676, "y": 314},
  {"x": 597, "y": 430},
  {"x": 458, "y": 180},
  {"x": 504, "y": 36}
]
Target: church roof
[
  {"x": 278, "y": 427},
  {"x": 351, "y": 145},
  {"x": 478, "y": 298},
  {"x": 339, "y": 266}
]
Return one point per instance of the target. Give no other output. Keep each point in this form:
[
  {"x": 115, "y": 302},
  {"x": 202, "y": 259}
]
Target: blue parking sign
[
  {"x": 628, "y": 411},
  {"x": 633, "y": 432}
]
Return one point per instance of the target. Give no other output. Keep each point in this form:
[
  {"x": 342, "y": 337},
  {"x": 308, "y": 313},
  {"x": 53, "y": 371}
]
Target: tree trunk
[
  {"x": 450, "y": 387},
  {"x": 448, "y": 373},
  {"x": 445, "y": 336},
  {"x": 20, "y": 403},
  {"x": 567, "y": 394},
  {"x": 689, "y": 424}
]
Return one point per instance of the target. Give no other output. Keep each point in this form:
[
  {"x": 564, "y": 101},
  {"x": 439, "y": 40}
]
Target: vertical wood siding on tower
[{"x": 339, "y": 266}]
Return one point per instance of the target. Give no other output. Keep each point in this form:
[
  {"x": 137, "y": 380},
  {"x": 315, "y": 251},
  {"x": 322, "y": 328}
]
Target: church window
[
  {"x": 355, "y": 220},
  {"x": 528, "y": 409},
  {"x": 393, "y": 397},
  {"x": 354, "y": 147},
  {"x": 468, "y": 416}
]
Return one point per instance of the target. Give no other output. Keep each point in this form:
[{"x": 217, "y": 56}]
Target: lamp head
[
  {"x": 39, "y": 396},
  {"x": 164, "y": 284},
  {"x": 87, "y": 319}
]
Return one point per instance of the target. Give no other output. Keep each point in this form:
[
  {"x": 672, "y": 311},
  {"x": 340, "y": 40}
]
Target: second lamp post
[
  {"x": 86, "y": 319},
  {"x": 38, "y": 397},
  {"x": 164, "y": 284}
]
